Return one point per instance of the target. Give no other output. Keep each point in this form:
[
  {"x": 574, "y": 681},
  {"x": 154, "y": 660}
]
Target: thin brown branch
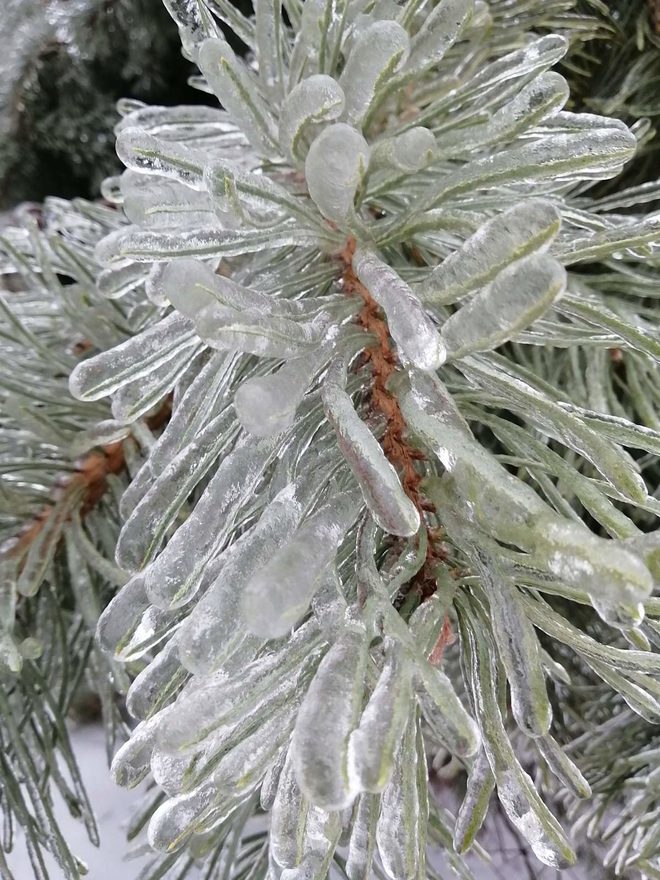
[
  {"x": 90, "y": 478},
  {"x": 395, "y": 443}
]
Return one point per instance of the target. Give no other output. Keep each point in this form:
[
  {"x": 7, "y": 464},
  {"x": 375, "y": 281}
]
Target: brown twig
[
  {"x": 396, "y": 446},
  {"x": 90, "y": 478}
]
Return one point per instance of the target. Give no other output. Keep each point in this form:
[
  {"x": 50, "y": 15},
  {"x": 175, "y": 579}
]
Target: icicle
[
  {"x": 363, "y": 838},
  {"x": 327, "y": 716},
  {"x": 335, "y": 168},
  {"x": 315, "y": 100},
  {"x": 527, "y": 227},
  {"x": 401, "y": 824},
  {"x": 277, "y": 596},
  {"x": 215, "y": 624},
  {"x": 377, "y": 52},
  {"x": 519, "y": 650},
  {"x": 288, "y": 819},
  {"x": 375, "y": 742},
  {"x": 130, "y": 764},
  {"x": 175, "y": 575},
  {"x": 380, "y": 484},
  {"x": 267, "y": 405},
  {"x": 474, "y": 809},
  {"x": 445, "y": 713},
  {"x": 411, "y": 328},
  {"x": 122, "y": 616}
]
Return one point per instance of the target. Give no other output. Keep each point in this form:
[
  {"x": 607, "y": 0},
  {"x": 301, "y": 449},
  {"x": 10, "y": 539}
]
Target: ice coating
[
  {"x": 439, "y": 31},
  {"x": 119, "y": 280},
  {"x": 445, "y": 713},
  {"x": 542, "y": 98},
  {"x": 316, "y": 99},
  {"x": 375, "y": 742},
  {"x": 334, "y": 169},
  {"x": 150, "y": 245},
  {"x": 160, "y": 203},
  {"x": 194, "y": 26},
  {"x": 413, "y": 331},
  {"x": 191, "y": 286},
  {"x": 145, "y": 528},
  {"x": 332, "y": 705},
  {"x": 253, "y": 332},
  {"x": 220, "y": 703},
  {"x": 409, "y": 151},
  {"x": 207, "y": 393},
  {"x": 267, "y": 405},
  {"x": 278, "y": 594},
  {"x": 377, "y": 52},
  {"x": 519, "y": 651},
  {"x": 287, "y": 819},
  {"x": 236, "y": 90},
  {"x": 513, "y": 513},
  {"x": 474, "y": 808},
  {"x": 563, "y": 767},
  {"x": 215, "y": 624},
  {"x": 527, "y": 227},
  {"x": 175, "y": 575},
  {"x": 147, "y": 154},
  {"x": 391, "y": 507},
  {"x": 155, "y": 683},
  {"x": 545, "y": 412},
  {"x": 268, "y": 32},
  {"x": 362, "y": 842},
  {"x": 122, "y": 615},
  {"x": 254, "y": 199},
  {"x": 401, "y": 821},
  {"x": 131, "y": 762},
  {"x": 238, "y": 773},
  {"x": 604, "y": 568},
  {"x": 268, "y": 790},
  {"x": 134, "y": 399},
  {"x": 598, "y": 153},
  {"x": 519, "y": 295},
  {"x": 172, "y": 824},
  {"x": 131, "y": 360},
  {"x": 515, "y": 789}
]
